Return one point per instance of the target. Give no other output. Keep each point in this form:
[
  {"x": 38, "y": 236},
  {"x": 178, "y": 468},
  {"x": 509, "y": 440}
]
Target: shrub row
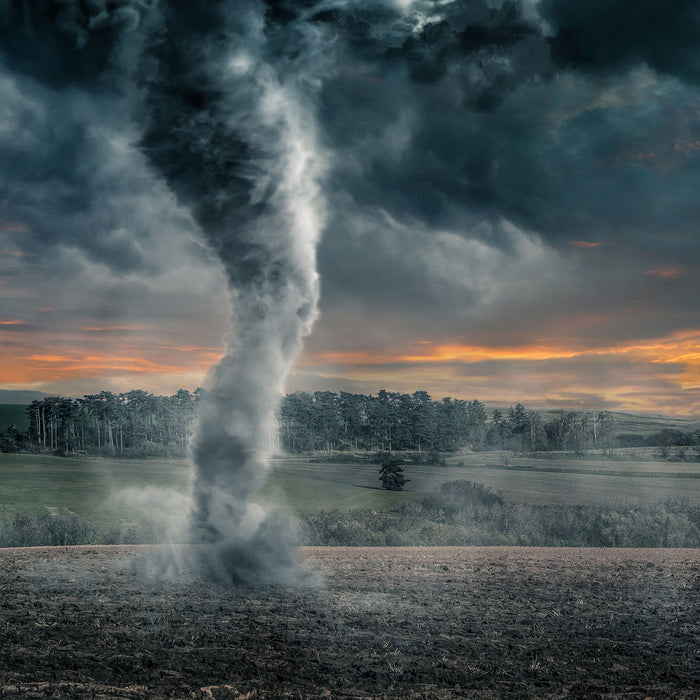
[
  {"x": 458, "y": 513},
  {"x": 463, "y": 513},
  {"x": 25, "y": 530}
]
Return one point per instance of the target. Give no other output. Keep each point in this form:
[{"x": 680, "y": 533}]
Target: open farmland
[
  {"x": 103, "y": 491},
  {"x": 558, "y": 480},
  {"x": 409, "y": 622}
]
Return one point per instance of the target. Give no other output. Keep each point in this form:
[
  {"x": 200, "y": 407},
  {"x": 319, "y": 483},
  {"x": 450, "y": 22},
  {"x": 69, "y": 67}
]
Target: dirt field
[{"x": 411, "y": 622}]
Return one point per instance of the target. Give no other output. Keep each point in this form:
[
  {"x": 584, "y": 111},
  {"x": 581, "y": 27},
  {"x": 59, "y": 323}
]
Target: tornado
[
  {"x": 228, "y": 129},
  {"x": 218, "y": 101}
]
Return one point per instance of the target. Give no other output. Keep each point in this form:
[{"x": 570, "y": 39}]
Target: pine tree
[{"x": 391, "y": 475}]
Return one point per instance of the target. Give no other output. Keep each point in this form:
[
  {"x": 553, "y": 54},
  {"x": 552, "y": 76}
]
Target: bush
[
  {"x": 466, "y": 513},
  {"x": 25, "y": 530},
  {"x": 356, "y": 528},
  {"x": 13, "y": 440}
]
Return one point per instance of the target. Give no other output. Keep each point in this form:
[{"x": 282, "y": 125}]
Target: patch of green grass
[
  {"x": 10, "y": 414},
  {"x": 39, "y": 484},
  {"x": 87, "y": 488},
  {"x": 530, "y": 486},
  {"x": 302, "y": 495}
]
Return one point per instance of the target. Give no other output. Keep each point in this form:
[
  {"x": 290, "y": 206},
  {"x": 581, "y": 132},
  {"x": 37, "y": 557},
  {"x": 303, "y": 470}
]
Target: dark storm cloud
[
  {"x": 70, "y": 175},
  {"x": 495, "y": 122},
  {"x": 445, "y": 80},
  {"x": 68, "y": 41},
  {"x": 467, "y": 120},
  {"x": 465, "y": 145},
  {"x": 443, "y": 115},
  {"x": 603, "y": 36}
]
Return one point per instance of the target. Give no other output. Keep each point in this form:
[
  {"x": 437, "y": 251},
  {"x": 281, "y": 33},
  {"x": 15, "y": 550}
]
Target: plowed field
[{"x": 388, "y": 622}]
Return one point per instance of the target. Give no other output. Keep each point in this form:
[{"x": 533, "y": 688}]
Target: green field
[
  {"x": 10, "y": 414},
  {"x": 111, "y": 493},
  {"x": 100, "y": 490},
  {"x": 560, "y": 480},
  {"x": 84, "y": 487}
]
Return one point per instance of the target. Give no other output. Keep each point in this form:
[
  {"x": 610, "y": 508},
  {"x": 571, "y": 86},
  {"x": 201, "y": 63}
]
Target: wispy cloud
[
  {"x": 666, "y": 272},
  {"x": 13, "y": 226},
  {"x": 110, "y": 329},
  {"x": 585, "y": 244},
  {"x": 17, "y": 253}
]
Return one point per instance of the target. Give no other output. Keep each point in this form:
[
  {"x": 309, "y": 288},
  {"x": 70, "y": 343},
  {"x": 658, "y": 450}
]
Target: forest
[
  {"x": 138, "y": 424},
  {"x": 131, "y": 424}
]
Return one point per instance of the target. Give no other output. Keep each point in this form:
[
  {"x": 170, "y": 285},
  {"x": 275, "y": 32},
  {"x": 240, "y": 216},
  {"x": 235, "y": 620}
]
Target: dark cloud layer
[
  {"x": 69, "y": 42},
  {"x": 464, "y": 146},
  {"x": 443, "y": 113},
  {"x": 602, "y": 36},
  {"x": 497, "y": 122}
]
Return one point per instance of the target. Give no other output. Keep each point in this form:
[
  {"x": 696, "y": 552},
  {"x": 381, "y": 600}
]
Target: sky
[{"x": 506, "y": 194}]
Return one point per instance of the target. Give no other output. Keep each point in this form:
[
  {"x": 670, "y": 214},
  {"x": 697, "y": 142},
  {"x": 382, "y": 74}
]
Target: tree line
[
  {"x": 140, "y": 424},
  {"x": 393, "y": 421},
  {"x": 134, "y": 424}
]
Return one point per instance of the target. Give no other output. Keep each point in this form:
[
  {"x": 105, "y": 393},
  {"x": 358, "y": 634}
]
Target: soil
[{"x": 449, "y": 622}]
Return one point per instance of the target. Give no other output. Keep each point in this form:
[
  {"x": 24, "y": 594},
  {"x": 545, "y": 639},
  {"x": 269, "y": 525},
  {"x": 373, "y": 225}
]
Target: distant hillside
[
  {"x": 13, "y": 414},
  {"x": 648, "y": 423},
  {"x": 625, "y": 422},
  {"x": 642, "y": 423},
  {"x": 23, "y": 398}
]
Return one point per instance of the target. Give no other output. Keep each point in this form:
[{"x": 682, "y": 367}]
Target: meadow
[
  {"x": 101, "y": 490},
  {"x": 111, "y": 493}
]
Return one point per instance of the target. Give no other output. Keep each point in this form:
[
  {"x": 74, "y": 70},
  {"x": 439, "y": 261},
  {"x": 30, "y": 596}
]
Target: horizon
[{"x": 490, "y": 406}]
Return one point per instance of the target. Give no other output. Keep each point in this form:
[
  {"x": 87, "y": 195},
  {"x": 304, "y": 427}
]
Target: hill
[
  {"x": 23, "y": 397},
  {"x": 625, "y": 421},
  {"x": 13, "y": 414}
]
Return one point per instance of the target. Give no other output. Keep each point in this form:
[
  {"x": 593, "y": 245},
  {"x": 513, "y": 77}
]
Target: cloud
[
  {"x": 600, "y": 36},
  {"x": 666, "y": 272},
  {"x": 495, "y": 173}
]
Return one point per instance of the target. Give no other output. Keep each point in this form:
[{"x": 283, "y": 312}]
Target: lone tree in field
[{"x": 391, "y": 475}]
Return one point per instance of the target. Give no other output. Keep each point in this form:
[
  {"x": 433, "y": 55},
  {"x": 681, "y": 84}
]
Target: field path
[{"x": 449, "y": 622}]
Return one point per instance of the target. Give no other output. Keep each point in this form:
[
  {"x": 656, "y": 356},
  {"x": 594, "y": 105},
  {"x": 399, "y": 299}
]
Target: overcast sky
[{"x": 508, "y": 190}]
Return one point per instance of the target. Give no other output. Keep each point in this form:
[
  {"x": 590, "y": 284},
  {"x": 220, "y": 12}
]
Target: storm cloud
[{"x": 493, "y": 172}]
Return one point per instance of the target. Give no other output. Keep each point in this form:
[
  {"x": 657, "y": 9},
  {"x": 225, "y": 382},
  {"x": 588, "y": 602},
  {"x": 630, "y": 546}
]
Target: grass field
[
  {"x": 10, "y": 414},
  {"x": 96, "y": 489},
  {"x": 84, "y": 487},
  {"x": 528, "y": 480},
  {"x": 91, "y": 488}
]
